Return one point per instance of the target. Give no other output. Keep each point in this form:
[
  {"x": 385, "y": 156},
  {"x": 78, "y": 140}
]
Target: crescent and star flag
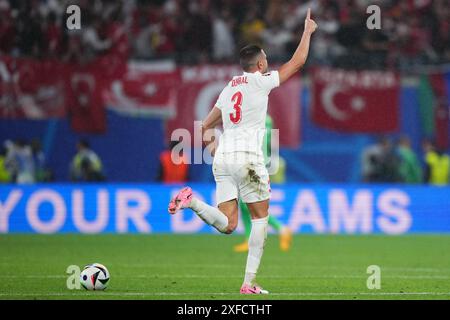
[
  {"x": 145, "y": 89},
  {"x": 355, "y": 101}
]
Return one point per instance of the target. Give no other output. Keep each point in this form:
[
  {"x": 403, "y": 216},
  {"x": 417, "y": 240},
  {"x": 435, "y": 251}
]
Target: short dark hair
[{"x": 248, "y": 54}]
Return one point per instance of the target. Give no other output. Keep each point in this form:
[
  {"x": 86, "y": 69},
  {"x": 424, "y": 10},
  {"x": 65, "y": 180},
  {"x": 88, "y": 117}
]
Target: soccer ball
[{"x": 94, "y": 277}]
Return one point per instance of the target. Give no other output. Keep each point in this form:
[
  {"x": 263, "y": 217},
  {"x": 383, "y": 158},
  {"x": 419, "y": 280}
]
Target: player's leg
[
  {"x": 247, "y": 222},
  {"x": 284, "y": 232},
  {"x": 224, "y": 218},
  {"x": 259, "y": 212},
  {"x": 246, "y": 218},
  {"x": 230, "y": 210},
  {"x": 254, "y": 190}
]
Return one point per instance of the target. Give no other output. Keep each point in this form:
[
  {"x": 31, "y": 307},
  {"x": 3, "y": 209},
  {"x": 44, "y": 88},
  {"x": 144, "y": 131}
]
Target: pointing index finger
[{"x": 308, "y": 14}]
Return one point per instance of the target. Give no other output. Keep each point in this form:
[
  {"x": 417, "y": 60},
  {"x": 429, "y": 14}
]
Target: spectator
[
  {"x": 380, "y": 163},
  {"x": 437, "y": 165},
  {"x": 20, "y": 163},
  {"x": 371, "y": 159},
  {"x": 199, "y": 35},
  {"x": 223, "y": 41},
  {"x": 53, "y": 35},
  {"x": 4, "y": 173},
  {"x": 10, "y": 163},
  {"x": 409, "y": 170},
  {"x": 7, "y": 29},
  {"x": 42, "y": 174},
  {"x": 252, "y": 28},
  {"x": 92, "y": 40},
  {"x": 276, "y": 39},
  {"x": 143, "y": 47},
  {"x": 389, "y": 164},
  {"x": 325, "y": 45},
  {"x": 173, "y": 165},
  {"x": 30, "y": 38},
  {"x": 86, "y": 165}
]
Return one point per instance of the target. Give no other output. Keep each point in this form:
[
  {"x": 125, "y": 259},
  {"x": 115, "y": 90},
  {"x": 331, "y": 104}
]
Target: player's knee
[{"x": 231, "y": 227}]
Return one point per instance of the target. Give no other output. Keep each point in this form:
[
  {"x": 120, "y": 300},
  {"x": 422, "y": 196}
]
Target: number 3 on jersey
[{"x": 237, "y": 115}]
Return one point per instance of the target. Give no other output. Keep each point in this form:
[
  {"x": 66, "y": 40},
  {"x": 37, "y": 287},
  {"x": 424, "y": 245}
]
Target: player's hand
[{"x": 310, "y": 25}]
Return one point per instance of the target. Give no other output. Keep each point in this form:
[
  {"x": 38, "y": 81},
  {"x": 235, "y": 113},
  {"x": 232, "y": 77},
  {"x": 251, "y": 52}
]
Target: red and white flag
[
  {"x": 31, "y": 89},
  {"x": 85, "y": 105},
  {"x": 146, "y": 89},
  {"x": 355, "y": 101}
]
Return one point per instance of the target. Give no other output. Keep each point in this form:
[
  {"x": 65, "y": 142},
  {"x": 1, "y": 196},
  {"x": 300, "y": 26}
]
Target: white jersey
[{"x": 243, "y": 103}]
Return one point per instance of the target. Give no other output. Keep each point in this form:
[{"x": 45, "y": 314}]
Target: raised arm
[
  {"x": 301, "y": 53},
  {"x": 213, "y": 119}
]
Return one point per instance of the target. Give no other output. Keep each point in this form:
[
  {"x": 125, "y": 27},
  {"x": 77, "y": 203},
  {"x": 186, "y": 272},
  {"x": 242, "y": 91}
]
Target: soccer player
[
  {"x": 284, "y": 231},
  {"x": 238, "y": 166}
]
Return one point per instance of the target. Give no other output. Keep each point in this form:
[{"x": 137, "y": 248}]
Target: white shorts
[{"x": 241, "y": 175}]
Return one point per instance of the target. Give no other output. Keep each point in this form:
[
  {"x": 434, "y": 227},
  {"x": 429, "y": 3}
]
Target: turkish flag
[
  {"x": 144, "y": 90},
  {"x": 31, "y": 89},
  {"x": 84, "y": 87},
  {"x": 355, "y": 101}
]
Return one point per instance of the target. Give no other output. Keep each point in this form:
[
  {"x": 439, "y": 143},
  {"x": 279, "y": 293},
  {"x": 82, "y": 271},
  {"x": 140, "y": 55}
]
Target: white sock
[
  {"x": 256, "y": 243},
  {"x": 212, "y": 216}
]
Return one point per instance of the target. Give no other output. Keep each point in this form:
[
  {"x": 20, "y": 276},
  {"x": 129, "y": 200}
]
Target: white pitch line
[
  {"x": 226, "y": 294},
  {"x": 33, "y": 277},
  {"x": 284, "y": 266},
  {"x": 300, "y": 267},
  {"x": 202, "y": 276},
  {"x": 401, "y": 269},
  {"x": 291, "y": 277}
]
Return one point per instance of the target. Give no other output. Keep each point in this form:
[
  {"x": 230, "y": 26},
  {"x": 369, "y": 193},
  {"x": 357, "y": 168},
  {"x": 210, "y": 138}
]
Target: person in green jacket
[
  {"x": 284, "y": 232},
  {"x": 410, "y": 170}
]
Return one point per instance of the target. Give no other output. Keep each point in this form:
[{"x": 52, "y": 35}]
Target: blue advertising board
[{"x": 305, "y": 208}]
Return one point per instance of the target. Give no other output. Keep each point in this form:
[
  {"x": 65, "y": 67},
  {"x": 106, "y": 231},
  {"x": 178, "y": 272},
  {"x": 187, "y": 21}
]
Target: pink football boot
[
  {"x": 255, "y": 289},
  {"x": 182, "y": 200}
]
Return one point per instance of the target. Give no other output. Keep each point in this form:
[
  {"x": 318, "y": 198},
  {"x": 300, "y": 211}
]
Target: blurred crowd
[
  {"x": 385, "y": 161},
  {"x": 25, "y": 162},
  {"x": 37, "y": 28},
  {"x": 389, "y": 162},
  {"x": 195, "y": 31}
]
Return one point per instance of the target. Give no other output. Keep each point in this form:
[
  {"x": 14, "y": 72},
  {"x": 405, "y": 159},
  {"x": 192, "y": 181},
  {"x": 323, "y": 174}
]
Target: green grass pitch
[{"x": 205, "y": 266}]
